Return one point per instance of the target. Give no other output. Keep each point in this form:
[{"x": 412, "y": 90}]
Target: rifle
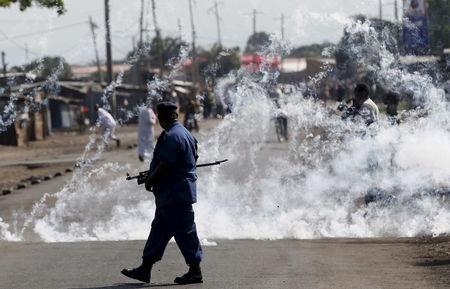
[{"x": 142, "y": 176}]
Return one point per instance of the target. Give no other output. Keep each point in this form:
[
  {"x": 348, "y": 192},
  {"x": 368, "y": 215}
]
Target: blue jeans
[{"x": 175, "y": 220}]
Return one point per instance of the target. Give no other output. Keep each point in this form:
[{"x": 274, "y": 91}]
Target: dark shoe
[
  {"x": 140, "y": 273},
  {"x": 118, "y": 142},
  {"x": 194, "y": 275},
  {"x": 141, "y": 158}
]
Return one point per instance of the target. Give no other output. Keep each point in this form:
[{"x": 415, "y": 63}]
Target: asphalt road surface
[{"x": 345, "y": 264}]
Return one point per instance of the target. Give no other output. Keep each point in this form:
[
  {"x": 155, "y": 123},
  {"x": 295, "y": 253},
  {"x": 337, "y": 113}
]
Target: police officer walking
[{"x": 172, "y": 179}]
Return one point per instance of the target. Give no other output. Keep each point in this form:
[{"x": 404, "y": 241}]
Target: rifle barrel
[
  {"x": 143, "y": 174},
  {"x": 211, "y": 164}
]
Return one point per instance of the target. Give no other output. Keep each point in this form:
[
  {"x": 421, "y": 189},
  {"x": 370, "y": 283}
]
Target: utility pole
[
  {"x": 26, "y": 52},
  {"x": 159, "y": 40},
  {"x": 194, "y": 52},
  {"x": 141, "y": 23},
  {"x": 109, "y": 74},
  {"x": 396, "y": 10},
  {"x": 3, "y": 63},
  {"x": 282, "y": 25},
  {"x": 94, "y": 39},
  {"x": 215, "y": 9},
  {"x": 254, "y": 14},
  {"x": 380, "y": 3},
  {"x": 254, "y": 21},
  {"x": 180, "y": 29}
]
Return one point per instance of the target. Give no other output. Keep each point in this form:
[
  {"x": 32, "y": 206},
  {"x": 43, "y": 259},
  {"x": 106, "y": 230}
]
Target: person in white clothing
[
  {"x": 147, "y": 121},
  {"x": 363, "y": 107},
  {"x": 107, "y": 124}
]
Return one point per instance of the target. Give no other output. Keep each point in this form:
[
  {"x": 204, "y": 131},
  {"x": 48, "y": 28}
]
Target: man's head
[
  {"x": 361, "y": 94},
  {"x": 96, "y": 107},
  {"x": 414, "y": 4},
  {"x": 167, "y": 113}
]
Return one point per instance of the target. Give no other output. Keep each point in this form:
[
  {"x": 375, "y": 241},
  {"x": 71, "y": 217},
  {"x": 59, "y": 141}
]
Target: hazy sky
[{"x": 45, "y": 33}]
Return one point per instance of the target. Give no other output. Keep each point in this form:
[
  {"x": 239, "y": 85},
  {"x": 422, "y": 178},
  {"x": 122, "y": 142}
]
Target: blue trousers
[{"x": 175, "y": 220}]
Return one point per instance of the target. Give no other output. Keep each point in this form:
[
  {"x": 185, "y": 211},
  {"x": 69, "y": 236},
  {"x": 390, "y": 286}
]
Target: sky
[{"x": 42, "y": 32}]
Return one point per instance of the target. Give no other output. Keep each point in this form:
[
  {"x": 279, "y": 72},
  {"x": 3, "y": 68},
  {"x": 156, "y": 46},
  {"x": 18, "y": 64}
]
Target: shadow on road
[
  {"x": 431, "y": 263},
  {"x": 130, "y": 286}
]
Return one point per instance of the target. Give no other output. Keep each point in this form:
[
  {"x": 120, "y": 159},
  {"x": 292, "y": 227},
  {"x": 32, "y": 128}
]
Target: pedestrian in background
[
  {"x": 107, "y": 124},
  {"x": 146, "y": 124},
  {"x": 362, "y": 106}
]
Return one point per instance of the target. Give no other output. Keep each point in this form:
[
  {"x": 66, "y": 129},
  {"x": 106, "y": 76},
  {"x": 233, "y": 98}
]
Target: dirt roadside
[{"x": 56, "y": 154}]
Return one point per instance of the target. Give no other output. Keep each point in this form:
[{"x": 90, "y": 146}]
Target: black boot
[
  {"x": 141, "y": 273},
  {"x": 194, "y": 275}
]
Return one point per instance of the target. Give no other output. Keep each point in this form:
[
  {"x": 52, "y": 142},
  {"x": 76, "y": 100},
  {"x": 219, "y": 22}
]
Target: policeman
[{"x": 172, "y": 179}]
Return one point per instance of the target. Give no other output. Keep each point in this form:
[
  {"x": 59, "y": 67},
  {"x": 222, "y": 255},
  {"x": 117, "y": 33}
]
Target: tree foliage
[
  {"x": 49, "y": 66},
  {"x": 24, "y": 4},
  {"x": 438, "y": 12},
  {"x": 168, "y": 48},
  {"x": 218, "y": 61},
  {"x": 257, "y": 42},
  {"x": 313, "y": 50}
]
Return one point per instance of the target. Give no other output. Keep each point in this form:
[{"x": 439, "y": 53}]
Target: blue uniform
[
  {"x": 176, "y": 146},
  {"x": 174, "y": 195}
]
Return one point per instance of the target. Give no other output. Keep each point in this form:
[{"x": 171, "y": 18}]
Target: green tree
[
  {"x": 49, "y": 66},
  {"x": 218, "y": 61},
  {"x": 170, "y": 47},
  {"x": 439, "y": 18},
  {"x": 257, "y": 42},
  {"x": 313, "y": 50},
  {"x": 24, "y": 4}
]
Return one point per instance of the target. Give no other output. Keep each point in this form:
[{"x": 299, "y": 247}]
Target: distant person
[
  {"x": 281, "y": 120},
  {"x": 391, "y": 101},
  {"x": 207, "y": 103},
  {"x": 107, "y": 124},
  {"x": 190, "y": 121},
  {"x": 146, "y": 123},
  {"x": 363, "y": 107},
  {"x": 172, "y": 179}
]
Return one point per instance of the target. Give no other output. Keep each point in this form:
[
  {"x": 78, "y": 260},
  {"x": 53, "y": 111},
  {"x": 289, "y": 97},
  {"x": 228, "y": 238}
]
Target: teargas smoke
[{"x": 333, "y": 178}]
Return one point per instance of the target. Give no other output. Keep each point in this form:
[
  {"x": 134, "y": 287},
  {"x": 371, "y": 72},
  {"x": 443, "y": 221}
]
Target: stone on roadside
[
  {"x": 6, "y": 192},
  {"x": 21, "y": 186}
]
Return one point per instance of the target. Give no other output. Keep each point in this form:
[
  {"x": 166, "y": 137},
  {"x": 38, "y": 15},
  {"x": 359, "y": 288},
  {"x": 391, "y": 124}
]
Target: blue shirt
[{"x": 178, "y": 147}]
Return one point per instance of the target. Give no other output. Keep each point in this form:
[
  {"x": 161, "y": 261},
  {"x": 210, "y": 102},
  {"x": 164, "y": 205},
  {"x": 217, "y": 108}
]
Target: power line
[
  {"x": 25, "y": 48},
  {"x": 44, "y": 31}
]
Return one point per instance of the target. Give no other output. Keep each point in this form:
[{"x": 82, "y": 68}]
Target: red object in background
[
  {"x": 187, "y": 63},
  {"x": 254, "y": 62},
  {"x": 84, "y": 109}
]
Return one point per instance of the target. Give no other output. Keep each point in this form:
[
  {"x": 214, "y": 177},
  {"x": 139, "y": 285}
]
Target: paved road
[{"x": 346, "y": 264}]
